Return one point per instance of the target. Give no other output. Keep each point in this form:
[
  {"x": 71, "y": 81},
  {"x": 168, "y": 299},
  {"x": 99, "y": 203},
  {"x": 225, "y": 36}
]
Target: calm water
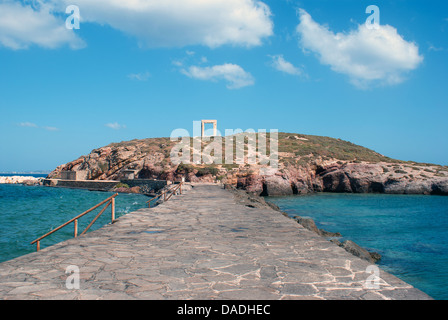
[
  {"x": 409, "y": 231},
  {"x": 27, "y": 213}
]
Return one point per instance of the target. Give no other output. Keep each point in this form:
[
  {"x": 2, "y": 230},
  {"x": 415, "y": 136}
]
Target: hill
[{"x": 306, "y": 164}]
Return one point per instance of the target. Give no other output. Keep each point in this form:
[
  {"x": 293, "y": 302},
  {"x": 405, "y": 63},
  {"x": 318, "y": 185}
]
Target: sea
[
  {"x": 28, "y": 212},
  {"x": 409, "y": 231}
]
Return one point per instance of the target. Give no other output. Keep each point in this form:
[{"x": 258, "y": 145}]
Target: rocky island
[{"x": 306, "y": 164}]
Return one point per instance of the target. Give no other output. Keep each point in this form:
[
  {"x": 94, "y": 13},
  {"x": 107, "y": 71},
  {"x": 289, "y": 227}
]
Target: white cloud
[
  {"x": 51, "y": 128},
  {"x": 33, "y": 125},
  {"x": 27, "y": 125},
  {"x": 366, "y": 55},
  {"x": 139, "y": 76},
  {"x": 434, "y": 48},
  {"x": 24, "y": 25},
  {"x": 233, "y": 74},
  {"x": 280, "y": 64},
  {"x": 115, "y": 126},
  {"x": 177, "y": 63},
  {"x": 176, "y": 23}
]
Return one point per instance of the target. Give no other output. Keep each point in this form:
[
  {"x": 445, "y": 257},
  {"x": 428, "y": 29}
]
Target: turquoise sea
[
  {"x": 27, "y": 213},
  {"x": 409, "y": 231}
]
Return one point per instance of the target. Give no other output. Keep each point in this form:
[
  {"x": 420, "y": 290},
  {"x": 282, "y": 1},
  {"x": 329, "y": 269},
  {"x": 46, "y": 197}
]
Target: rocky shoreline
[
  {"x": 29, "y": 181},
  {"x": 348, "y": 177},
  {"x": 253, "y": 201}
]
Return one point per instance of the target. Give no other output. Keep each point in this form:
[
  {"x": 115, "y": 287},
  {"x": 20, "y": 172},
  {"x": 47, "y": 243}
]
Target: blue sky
[{"x": 144, "y": 68}]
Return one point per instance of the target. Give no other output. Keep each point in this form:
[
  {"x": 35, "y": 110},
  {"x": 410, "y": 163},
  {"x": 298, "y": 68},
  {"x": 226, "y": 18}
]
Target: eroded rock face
[
  {"x": 360, "y": 252},
  {"x": 109, "y": 163},
  {"x": 349, "y": 178},
  {"x": 377, "y": 178},
  {"x": 278, "y": 185}
]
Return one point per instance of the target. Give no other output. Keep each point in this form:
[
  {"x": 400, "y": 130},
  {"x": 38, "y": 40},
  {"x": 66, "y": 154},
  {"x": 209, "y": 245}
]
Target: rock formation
[{"x": 29, "y": 181}]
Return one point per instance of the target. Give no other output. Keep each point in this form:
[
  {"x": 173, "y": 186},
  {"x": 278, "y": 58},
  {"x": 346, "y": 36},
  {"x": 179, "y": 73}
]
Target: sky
[{"x": 143, "y": 68}]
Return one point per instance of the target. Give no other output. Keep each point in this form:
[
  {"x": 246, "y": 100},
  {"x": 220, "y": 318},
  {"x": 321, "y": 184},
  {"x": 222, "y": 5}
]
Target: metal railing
[
  {"x": 109, "y": 201},
  {"x": 173, "y": 190}
]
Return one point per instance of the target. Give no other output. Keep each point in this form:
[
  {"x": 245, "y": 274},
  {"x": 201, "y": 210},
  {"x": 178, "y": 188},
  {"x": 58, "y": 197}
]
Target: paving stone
[
  {"x": 298, "y": 289},
  {"x": 238, "y": 269}
]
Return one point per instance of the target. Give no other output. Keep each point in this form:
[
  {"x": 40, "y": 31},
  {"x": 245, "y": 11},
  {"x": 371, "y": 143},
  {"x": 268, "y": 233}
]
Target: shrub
[
  {"x": 122, "y": 185},
  {"x": 207, "y": 170},
  {"x": 184, "y": 168}
]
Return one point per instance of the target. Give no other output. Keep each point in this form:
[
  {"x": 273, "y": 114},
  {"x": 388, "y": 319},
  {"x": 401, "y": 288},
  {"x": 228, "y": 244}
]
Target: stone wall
[
  {"x": 146, "y": 185},
  {"x": 74, "y": 175},
  {"x": 86, "y": 184}
]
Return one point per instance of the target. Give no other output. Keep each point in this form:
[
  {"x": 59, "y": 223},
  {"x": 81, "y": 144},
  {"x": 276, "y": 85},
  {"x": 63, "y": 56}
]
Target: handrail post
[
  {"x": 113, "y": 210},
  {"x": 38, "y": 245},
  {"x": 76, "y": 227}
]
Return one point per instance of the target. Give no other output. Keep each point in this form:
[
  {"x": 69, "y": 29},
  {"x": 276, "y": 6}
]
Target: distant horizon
[{"x": 27, "y": 172}]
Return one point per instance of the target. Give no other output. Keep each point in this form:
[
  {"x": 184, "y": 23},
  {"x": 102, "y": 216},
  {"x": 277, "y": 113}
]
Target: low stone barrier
[{"x": 84, "y": 184}]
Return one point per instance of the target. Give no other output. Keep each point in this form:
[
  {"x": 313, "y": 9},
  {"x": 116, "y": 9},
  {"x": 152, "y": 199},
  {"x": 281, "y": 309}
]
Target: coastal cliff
[{"x": 306, "y": 164}]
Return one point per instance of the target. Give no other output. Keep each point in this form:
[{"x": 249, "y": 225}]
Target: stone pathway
[{"x": 199, "y": 245}]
